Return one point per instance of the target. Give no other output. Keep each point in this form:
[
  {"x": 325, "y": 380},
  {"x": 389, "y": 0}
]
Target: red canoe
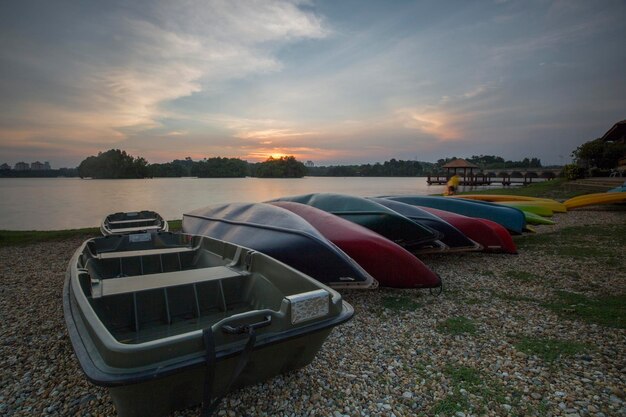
[
  {"x": 492, "y": 236},
  {"x": 390, "y": 264}
]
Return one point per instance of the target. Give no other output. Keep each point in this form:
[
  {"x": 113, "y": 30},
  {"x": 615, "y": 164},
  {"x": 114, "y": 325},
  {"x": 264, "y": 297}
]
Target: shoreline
[{"x": 496, "y": 342}]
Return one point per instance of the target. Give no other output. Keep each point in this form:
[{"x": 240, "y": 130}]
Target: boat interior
[
  {"x": 145, "y": 287},
  {"x": 129, "y": 221}
]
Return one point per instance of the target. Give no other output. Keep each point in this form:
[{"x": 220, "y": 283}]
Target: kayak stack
[{"x": 246, "y": 291}]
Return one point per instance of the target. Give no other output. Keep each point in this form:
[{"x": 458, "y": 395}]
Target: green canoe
[{"x": 374, "y": 216}]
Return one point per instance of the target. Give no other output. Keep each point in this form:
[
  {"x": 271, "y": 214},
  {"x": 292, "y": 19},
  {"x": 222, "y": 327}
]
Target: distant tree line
[
  {"x": 116, "y": 163},
  {"x": 207, "y": 168},
  {"x": 495, "y": 162},
  {"x": 391, "y": 168},
  {"x": 47, "y": 173}
]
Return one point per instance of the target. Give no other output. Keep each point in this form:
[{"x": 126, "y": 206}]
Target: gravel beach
[{"x": 492, "y": 344}]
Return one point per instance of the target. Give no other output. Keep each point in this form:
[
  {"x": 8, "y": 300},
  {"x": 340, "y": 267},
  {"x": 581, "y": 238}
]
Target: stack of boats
[{"x": 248, "y": 290}]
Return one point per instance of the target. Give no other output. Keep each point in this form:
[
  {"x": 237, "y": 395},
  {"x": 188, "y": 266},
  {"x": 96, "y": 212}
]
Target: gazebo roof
[
  {"x": 616, "y": 133},
  {"x": 460, "y": 163}
]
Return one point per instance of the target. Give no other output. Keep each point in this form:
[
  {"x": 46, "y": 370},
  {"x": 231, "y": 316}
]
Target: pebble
[{"x": 382, "y": 363}]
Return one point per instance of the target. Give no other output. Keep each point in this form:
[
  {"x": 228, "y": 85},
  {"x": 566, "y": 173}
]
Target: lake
[{"x": 68, "y": 203}]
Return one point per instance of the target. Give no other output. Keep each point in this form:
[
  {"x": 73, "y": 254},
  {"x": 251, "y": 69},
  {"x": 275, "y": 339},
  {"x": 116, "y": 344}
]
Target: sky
[{"x": 331, "y": 81}]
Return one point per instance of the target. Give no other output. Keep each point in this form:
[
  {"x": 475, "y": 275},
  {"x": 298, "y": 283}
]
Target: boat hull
[
  {"x": 491, "y": 235},
  {"x": 511, "y": 218},
  {"x": 280, "y": 234},
  {"x": 371, "y": 215},
  {"x": 595, "y": 199},
  {"x": 163, "y": 368},
  {"x": 390, "y": 264},
  {"x": 453, "y": 239}
]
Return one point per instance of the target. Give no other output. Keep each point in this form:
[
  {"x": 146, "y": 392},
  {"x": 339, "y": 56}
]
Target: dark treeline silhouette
[
  {"x": 47, "y": 173},
  {"x": 113, "y": 163},
  {"x": 116, "y": 163},
  {"x": 283, "y": 167},
  {"x": 391, "y": 168},
  {"x": 207, "y": 168},
  {"x": 495, "y": 162}
]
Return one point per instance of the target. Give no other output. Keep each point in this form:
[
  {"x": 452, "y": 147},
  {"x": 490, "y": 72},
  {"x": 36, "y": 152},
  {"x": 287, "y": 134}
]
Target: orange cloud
[{"x": 433, "y": 122}]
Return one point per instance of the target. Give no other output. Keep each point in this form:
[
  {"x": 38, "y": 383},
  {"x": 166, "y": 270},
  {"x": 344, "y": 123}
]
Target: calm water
[{"x": 64, "y": 203}]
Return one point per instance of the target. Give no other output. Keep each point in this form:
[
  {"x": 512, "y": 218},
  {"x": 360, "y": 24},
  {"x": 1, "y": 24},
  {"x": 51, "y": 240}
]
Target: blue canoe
[
  {"x": 511, "y": 218},
  {"x": 373, "y": 216},
  {"x": 282, "y": 235}
]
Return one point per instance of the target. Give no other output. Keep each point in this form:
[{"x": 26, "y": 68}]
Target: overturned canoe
[
  {"x": 492, "y": 236},
  {"x": 133, "y": 222},
  {"x": 501, "y": 197},
  {"x": 618, "y": 189},
  {"x": 529, "y": 206},
  {"x": 511, "y": 218},
  {"x": 166, "y": 321},
  {"x": 532, "y": 218},
  {"x": 390, "y": 264},
  {"x": 371, "y": 215},
  {"x": 280, "y": 234},
  {"x": 453, "y": 238},
  {"x": 595, "y": 199}
]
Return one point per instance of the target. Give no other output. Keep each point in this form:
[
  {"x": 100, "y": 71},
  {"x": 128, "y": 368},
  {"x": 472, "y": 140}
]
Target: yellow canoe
[{"x": 595, "y": 198}]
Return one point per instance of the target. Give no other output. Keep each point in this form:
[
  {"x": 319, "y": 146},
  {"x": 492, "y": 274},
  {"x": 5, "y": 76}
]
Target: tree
[
  {"x": 283, "y": 167},
  {"x": 113, "y": 163},
  {"x": 600, "y": 154}
]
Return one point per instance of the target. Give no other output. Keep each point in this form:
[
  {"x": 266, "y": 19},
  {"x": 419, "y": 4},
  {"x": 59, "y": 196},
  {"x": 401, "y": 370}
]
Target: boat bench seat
[
  {"x": 131, "y": 284},
  {"x": 143, "y": 252},
  {"x": 136, "y": 229},
  {"x": 138, "y": 219}
]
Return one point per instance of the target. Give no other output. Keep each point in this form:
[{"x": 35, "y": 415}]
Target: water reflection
[{"x": 64, "y": 203}]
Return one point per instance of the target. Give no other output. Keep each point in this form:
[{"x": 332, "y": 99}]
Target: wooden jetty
[
  {"x": 467, "y": 177},
  {"x": 480, "y": 179}
]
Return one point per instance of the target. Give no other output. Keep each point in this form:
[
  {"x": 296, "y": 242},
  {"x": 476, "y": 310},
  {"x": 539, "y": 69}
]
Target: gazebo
[{"x": 458, "y": 164}]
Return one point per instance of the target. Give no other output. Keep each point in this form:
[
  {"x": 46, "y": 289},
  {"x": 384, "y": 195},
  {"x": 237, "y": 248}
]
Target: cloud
[{"x": 120, "y": 86}]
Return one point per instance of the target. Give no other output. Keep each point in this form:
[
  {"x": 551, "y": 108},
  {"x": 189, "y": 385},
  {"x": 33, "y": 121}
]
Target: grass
[
  {"x": 513, "y": 297},
  {"x": 550, "y": 349},
  {"x": 601, "y": 242},
  {"x": 472, "y": 381},
  {"x": 522, "y": 276},
  {"x": 399, "y": 303},
  {"x": 450, "y": 405},
  {"x": 608, "y": 310},
  {"x": 457, "y": 326},
  {"x": 19, "y": 238},
  {"x": 25, "y": 237}
]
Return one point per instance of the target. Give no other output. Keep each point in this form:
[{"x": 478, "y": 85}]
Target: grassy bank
[
  {"x": 25, "y": 237},
  {"x": 558, "y": 189}
]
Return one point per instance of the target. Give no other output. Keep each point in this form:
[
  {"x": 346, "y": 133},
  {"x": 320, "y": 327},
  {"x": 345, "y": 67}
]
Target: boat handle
[{"x": 245, "y": 328}]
